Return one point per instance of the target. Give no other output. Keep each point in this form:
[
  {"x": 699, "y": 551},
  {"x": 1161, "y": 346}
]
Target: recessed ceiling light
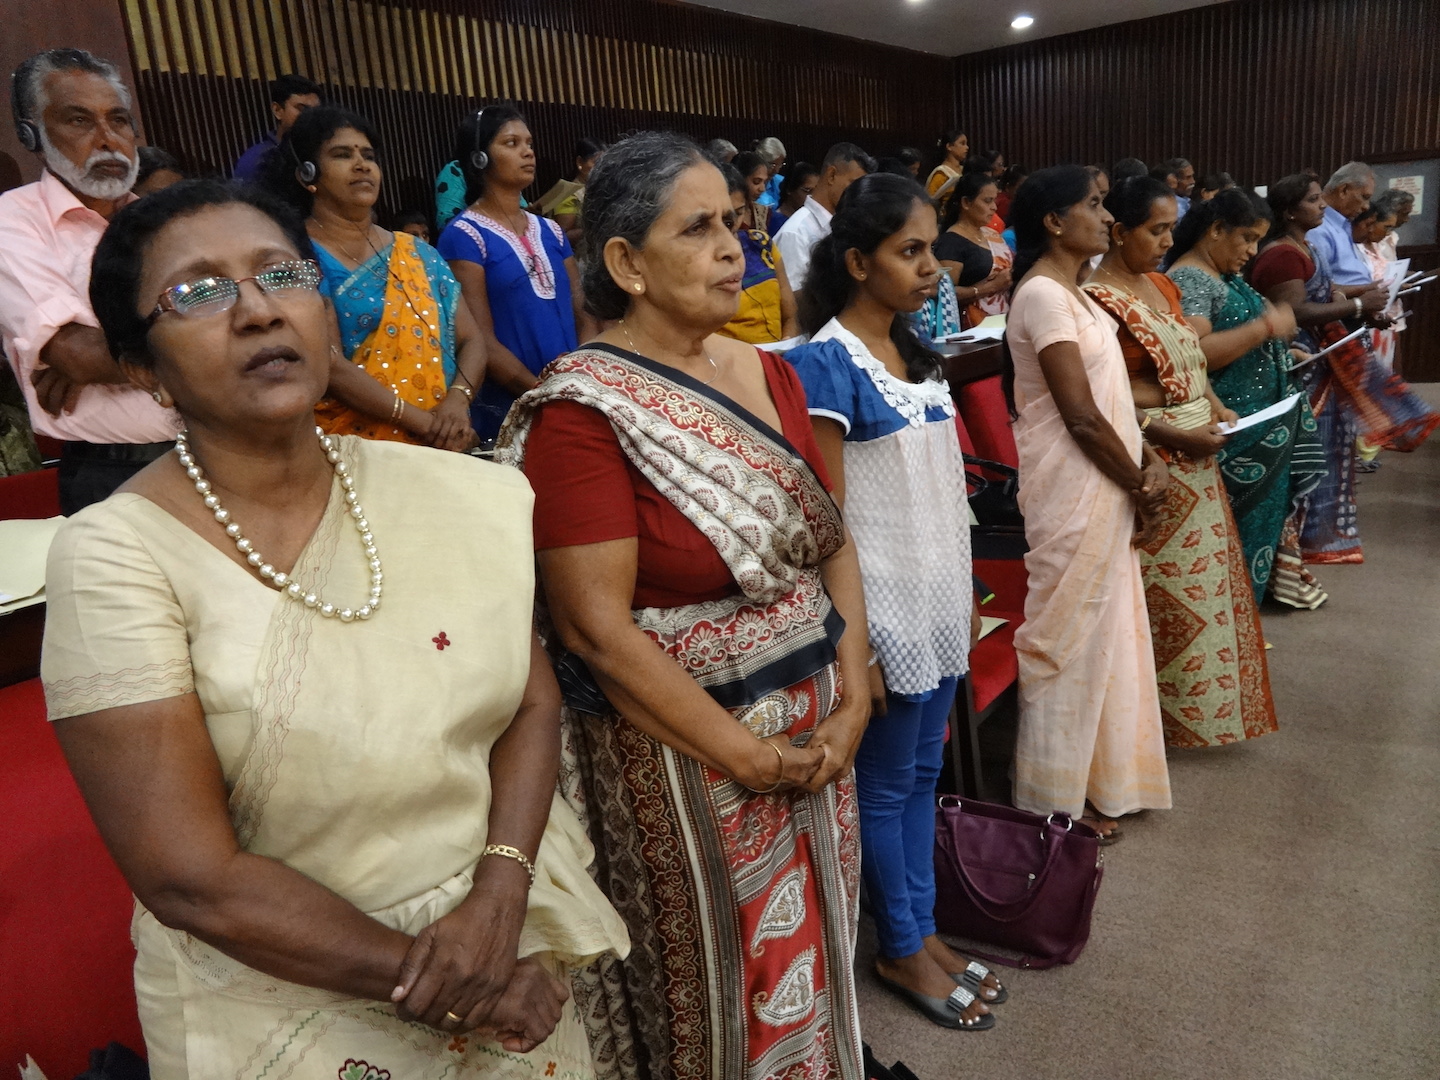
[{"x": 1022, "y": 22}]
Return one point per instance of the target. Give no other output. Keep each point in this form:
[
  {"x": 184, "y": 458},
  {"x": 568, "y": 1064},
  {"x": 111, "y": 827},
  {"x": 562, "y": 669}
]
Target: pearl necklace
[{"x": 278, "y": 578}]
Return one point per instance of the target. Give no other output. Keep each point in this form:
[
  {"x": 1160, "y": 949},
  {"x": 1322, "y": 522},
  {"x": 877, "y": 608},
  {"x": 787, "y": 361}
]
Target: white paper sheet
[
  {"x": 1395, "y": 277},
  {"x": 979, "y": 333},
  {"x": 1280, "y": 408},
  {"x": 785, "y": 345},
  {"x": 1331, "y": 348},
  {"x": 988, "y": 625},
  {"x": 25, "y": 545}
]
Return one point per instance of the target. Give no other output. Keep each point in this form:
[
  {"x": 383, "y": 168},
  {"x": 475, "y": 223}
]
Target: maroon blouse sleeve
[
  {"x": 1278, "y": 264},
  {"x": 583, "y": 493},
  {"x": 789, "y": 396}
]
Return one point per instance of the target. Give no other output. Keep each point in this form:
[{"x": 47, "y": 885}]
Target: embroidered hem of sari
[
  {"x": 403, "y": 353},
  {"x": 1210, "y": 665},
  {"x": 743, "y": 906}
]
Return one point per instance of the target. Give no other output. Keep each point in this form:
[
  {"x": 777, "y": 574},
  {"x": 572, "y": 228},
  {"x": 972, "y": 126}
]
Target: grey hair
[
  {"x": 1352, "y": 172},
  {"x": 27, "y": 87},
  {"x": 718, "y": 148},
  {"x": 1388, "y": 202},
  {"x": 770, "y": 148},
  {"x": 626, "y": 194}
]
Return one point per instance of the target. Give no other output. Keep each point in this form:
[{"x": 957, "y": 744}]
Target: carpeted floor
[{"x": 1282, "y": 922}]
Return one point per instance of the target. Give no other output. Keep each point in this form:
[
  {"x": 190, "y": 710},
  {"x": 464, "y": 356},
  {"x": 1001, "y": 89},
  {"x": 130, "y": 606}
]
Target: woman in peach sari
[{"x": 1089, "y": 713}]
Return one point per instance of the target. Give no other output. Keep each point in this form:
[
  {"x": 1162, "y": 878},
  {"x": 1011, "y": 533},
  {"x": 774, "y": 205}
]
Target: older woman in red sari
[
  {"x": 700, "y": 577},
  {"x": 1204, "y": 623}
]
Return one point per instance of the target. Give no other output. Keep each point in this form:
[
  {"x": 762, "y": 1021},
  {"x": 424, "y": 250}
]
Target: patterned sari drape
[
  {"x": 409, "y": 351},
  {"x": 743, "y": 906},
  {"x": 1204, "y": 623},
  {"x": 1352, "y": 394}
]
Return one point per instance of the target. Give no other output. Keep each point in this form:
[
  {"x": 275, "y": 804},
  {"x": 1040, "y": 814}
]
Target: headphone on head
[
  {"x": 307, "y": 172},
  {"x": 27, "y": 131},
  {"x": 479, "y": 159}
]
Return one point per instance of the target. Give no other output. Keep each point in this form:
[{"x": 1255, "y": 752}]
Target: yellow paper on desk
[
  {"x": 992, "y": 322},
  {"x": 23, "y": 548}
]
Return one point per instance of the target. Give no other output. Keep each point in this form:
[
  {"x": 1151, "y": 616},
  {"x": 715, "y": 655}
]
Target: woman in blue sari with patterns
[{"x": 408, "y": 355}]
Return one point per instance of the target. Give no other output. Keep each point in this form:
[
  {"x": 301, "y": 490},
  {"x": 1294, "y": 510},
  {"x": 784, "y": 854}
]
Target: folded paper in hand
[{"x": 1280, "y": 408}]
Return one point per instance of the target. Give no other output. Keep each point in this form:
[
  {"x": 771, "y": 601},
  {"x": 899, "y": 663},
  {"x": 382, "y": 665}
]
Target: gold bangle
[
  {"x": 779, "y": 779},
  {"x": 508, "y": 852},
  {"x": 398, "y": 409},
  {"x": 458, "y": 385},
  {"x": 1146, "y": 422}
]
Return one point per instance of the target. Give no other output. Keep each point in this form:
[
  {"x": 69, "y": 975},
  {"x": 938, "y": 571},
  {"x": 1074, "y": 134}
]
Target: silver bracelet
[
  {"x": 1359, "y": 307},
  {"x": 874, "y": 658}
]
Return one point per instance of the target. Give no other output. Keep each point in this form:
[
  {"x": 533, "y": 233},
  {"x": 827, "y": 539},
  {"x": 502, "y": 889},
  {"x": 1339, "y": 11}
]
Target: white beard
[{"x": 79, "y": 178}]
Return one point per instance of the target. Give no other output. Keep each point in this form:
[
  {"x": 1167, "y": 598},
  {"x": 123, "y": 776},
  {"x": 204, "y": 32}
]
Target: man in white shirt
[{"x": 844, "y": 164}]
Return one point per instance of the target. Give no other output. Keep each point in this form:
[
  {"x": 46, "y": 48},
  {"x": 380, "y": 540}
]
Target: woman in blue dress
[
  {"x": 885, "y": 424},
  {"x": 516, "y": 270}
]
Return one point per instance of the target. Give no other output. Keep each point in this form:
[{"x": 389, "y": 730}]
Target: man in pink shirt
[{"x": 73, "y": 111}]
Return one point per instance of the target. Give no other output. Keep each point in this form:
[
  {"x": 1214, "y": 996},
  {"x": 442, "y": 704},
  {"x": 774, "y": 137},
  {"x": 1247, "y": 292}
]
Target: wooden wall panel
[
  {"x": 597, "y": 68},
  {"x": 1258, "y": 88}
]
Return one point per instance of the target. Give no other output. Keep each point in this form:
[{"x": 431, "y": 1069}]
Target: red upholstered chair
[
  {"x": 994, "y": 671},
  {"x": 993, "y": 682},
  {"x": 65, "y": 985},
  {"x": 49, "y": 447},
  {"x": 987, "y": 419},
  {"x": 33, "y": 494}
]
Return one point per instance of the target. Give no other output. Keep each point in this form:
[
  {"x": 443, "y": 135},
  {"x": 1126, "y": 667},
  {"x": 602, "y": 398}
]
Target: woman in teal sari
[{"x": 1269, "y": 469}]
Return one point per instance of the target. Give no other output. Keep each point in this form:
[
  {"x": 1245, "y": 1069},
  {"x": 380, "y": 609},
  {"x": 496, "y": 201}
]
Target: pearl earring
[{"x": 639, "y": 287}]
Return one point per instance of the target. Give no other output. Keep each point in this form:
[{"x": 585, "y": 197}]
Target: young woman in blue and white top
[{"x": 886, "y": 426}]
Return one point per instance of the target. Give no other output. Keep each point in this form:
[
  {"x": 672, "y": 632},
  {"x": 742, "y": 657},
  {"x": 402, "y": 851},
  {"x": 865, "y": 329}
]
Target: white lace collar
[{"x": 909, "y": 399}]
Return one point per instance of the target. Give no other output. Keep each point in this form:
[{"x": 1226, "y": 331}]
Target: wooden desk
[{"x": 970, "y": 362}]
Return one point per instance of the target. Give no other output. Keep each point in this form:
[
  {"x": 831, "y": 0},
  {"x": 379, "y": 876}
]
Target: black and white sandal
[
  {"x": 973, "y": 979},
  {"x": 947, "y": 1012}
]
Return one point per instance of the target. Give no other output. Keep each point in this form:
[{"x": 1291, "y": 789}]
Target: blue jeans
[{"x": 896, "y": 770}]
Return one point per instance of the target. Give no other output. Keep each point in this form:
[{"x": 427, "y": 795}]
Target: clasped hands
[
  {"x": 828, "y": 756},
  {"x": 450, "y": 424},
  {"x": 465, "y": 965},
  {"x": 1149, "y": 496}
]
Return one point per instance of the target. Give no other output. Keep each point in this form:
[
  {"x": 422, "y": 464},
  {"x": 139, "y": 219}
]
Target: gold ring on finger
[{"x": 453, "y": 1018}]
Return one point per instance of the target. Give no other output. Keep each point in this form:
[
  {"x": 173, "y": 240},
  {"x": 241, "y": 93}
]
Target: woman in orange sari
[{"x": 409, "y": 357}]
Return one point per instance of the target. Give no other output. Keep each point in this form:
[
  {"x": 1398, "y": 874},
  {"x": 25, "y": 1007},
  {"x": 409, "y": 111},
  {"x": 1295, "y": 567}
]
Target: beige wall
[{"x": 33, "y": 25}]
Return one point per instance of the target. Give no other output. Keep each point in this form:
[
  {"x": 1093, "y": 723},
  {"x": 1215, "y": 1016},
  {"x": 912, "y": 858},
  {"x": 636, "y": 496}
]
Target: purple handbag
[{"x": 1014, "y": 879}]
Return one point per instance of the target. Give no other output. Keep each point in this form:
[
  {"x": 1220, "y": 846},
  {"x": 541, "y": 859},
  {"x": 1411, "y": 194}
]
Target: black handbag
[{"x": 995, "y": 498}]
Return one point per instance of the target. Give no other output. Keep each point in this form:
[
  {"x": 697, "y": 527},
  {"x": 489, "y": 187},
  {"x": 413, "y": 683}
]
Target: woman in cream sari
[
  {"x": 347, "y": 851},
  {"x": 1091, "y": 491},
  {"x": 1204, "y": 622}
]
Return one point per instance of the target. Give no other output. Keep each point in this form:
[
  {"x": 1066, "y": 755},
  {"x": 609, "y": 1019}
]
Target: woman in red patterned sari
[{"x": 701, "y": 579}]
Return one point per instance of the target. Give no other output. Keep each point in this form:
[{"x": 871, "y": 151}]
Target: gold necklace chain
[{"x": 714, "y": 367}]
